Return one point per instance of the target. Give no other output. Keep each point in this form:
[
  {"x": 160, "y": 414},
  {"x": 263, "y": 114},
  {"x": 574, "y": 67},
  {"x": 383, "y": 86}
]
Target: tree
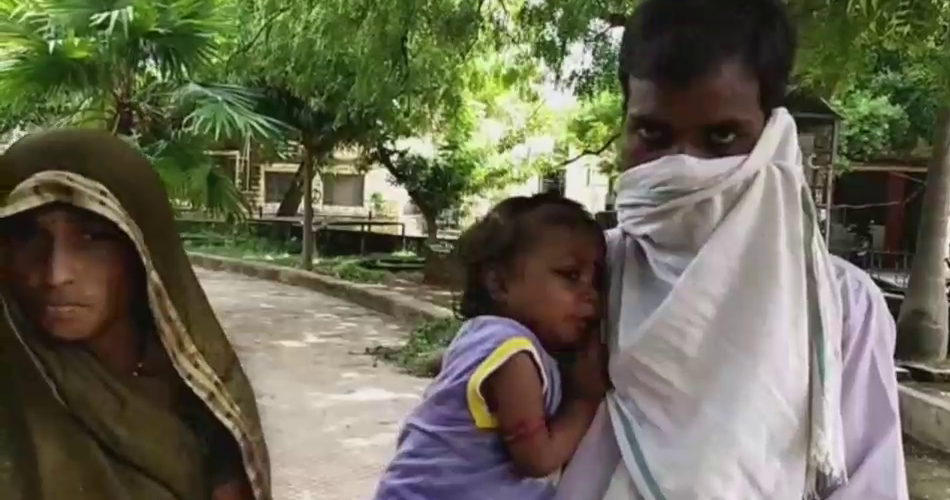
[
  {"x": 440, "y": 181},
  {"x": 132, "y": 67},
  {"x": 922, "y": 322},
  {"x": 437, "y": 182},
  {"x": 874, "y": 126},
  {"x": 367, "y": 69},
  {"x": 593, "y": 130},
  {"x": 374, "y": 75},
  {"x": 918, "y": 31},
  {"x": 366, "y": 72},
  {"x": 318, "y": 132}
]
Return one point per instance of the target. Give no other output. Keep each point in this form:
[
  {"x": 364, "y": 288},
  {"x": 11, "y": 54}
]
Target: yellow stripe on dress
[{"x": 477, "y": 406}]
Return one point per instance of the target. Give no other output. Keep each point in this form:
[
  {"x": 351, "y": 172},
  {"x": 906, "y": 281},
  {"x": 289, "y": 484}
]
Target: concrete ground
[
  {"x": 330, "y": 414},
  {"x": 928, "y": 472}
]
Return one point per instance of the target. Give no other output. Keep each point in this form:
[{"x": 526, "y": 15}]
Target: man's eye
[
  {"x": 649, "y": 134},
  {"x": 722, "y": 138}
]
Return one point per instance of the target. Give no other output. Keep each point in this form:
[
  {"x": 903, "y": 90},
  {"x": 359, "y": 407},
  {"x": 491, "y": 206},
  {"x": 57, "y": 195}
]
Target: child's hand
[{"x": 588, "y": 376}]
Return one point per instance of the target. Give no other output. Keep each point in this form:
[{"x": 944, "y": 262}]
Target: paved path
[{"x": 330, "y": 415}]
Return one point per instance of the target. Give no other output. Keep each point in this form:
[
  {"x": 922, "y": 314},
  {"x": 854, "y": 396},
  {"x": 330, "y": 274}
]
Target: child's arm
[{"x": 538, "y": 447}]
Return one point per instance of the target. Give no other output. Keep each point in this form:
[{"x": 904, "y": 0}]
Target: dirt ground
[{"x": 331, "y": 414}]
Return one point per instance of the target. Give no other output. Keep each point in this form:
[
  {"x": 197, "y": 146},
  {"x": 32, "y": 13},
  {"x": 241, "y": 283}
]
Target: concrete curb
[
  {"x": 925, "y": 417},
  {"x": 405, "y": 309}
]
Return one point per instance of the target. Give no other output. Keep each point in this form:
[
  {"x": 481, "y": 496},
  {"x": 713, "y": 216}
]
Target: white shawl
[{"x": 725, "y": 331}]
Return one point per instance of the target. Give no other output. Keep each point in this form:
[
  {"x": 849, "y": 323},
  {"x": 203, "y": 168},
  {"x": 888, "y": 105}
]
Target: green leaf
[{"x": 224, "y": 111}]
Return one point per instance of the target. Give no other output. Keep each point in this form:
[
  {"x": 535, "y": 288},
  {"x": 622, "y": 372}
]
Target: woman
[{"x": 118, "y": 381}]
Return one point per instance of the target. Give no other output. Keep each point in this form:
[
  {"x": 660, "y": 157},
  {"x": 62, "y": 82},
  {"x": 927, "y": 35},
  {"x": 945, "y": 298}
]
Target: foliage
[
  {"x": 362, "y": 73},
  {"x": 191, "y": 175},
  {"x": 133, "y": 67},
  {"x": 887, "y": 93},
  {"x": 421, "y": 355},
  {"x": 874, "y": 126},
  {"x": 554, "y": 29},
  {"x": 240, "y": 245},
  {"x": 349, "y": 269},
  {"x": 913, "y": 85},
  {"x": 889, "y": 110},
  {"x": 395, "y": 67},
  {"x": 378, "y": 203},
  {"x": 440, "y": 181},
  {"x": 918, "y": 32},
  {"x": 595, "y": 128}
]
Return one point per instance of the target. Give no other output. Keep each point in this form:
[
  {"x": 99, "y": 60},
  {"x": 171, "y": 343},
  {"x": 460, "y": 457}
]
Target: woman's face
[{"x": 72, "y": 272}]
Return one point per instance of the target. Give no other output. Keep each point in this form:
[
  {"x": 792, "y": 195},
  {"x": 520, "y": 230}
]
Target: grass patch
[
  {"x": 265, "y": 251},
  {"x": 348, "y": 269},
  {"x": 421, "y": 354}
]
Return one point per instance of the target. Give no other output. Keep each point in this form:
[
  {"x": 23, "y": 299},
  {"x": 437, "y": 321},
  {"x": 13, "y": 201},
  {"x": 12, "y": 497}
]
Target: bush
[
  {"x": 421, "y": 355},
  {"x": 874, "y": 126},
  {"x": 350, "y": 269}
]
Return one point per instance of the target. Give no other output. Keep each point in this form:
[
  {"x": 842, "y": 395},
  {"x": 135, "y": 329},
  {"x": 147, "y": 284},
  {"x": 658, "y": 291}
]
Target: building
[{"x": 341, "y": 189}]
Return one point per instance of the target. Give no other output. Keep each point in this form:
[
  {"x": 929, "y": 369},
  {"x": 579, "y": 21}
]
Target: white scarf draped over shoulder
[{"x": 725, "y": 332}]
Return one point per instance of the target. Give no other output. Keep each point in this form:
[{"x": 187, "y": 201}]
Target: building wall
[
  {"x": 583, "y": 183},
  {"x": 587, "y": 185}
]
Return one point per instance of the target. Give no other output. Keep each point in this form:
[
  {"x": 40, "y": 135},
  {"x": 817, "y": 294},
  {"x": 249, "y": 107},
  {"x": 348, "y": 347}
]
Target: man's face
[
  {"x": 71, "y": 271},
  {"x": 714, "y": 116}
]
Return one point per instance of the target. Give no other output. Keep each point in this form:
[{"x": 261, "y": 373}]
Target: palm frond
[
  {"x": 224, "y": 111},
  {"x": 42, "y": 69},
  {"x": 182, "y": 39},
  {"x": 191, "y": 177},
  {"x": 39, "y": 57}
]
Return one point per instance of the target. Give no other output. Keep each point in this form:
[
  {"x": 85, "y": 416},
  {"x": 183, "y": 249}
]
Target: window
[
  {"x": 225, "y": 164},
  {"x": 343, "y": 190},
  {"x": 276, "y": 185},
  {"x": 554, "y": 182}
]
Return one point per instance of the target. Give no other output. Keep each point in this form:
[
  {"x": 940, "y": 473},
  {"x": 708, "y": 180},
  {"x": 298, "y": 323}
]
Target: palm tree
[{"x": 133, "y": 67}]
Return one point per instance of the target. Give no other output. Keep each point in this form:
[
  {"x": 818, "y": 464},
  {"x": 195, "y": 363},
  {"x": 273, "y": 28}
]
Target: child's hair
[
  {"x": 498, "y": 238},
  {"x": 677, "y": 42}
]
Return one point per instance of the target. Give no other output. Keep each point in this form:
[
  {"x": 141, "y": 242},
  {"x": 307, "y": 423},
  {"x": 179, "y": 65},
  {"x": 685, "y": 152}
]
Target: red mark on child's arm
[
  {"x": 538, "y": 446},
  {"x": 525, "y": 429}
]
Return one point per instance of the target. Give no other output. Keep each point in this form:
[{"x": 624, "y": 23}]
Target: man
[{"x": 748, "y": 363}]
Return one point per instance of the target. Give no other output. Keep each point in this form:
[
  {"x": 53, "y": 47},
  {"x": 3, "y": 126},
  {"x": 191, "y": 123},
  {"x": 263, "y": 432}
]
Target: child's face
[
  {"x": 553, "y": 289},
  {"x": 715, "y": 116}
]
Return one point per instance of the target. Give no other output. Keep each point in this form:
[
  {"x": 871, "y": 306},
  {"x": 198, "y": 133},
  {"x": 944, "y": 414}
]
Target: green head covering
[{"x": 72, "y": 433}]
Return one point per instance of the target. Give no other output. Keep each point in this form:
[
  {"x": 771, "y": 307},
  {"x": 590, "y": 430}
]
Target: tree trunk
[
  {"x": 306, "y": 256},
  {"x": 922, "y": 322},
  {"x": 434, "y": 270},
  {"x": 432, "y": 227},
  {"x": 290, "y": 203}
]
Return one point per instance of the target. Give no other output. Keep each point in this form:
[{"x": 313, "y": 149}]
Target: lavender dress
[{"x": 449, "y": 448}]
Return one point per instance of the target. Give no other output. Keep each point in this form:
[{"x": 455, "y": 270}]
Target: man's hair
[{"x": 675, "y": 42}]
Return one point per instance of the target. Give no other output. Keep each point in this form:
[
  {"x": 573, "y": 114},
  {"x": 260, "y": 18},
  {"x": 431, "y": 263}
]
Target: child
[{"x": 493, "y": 424}]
